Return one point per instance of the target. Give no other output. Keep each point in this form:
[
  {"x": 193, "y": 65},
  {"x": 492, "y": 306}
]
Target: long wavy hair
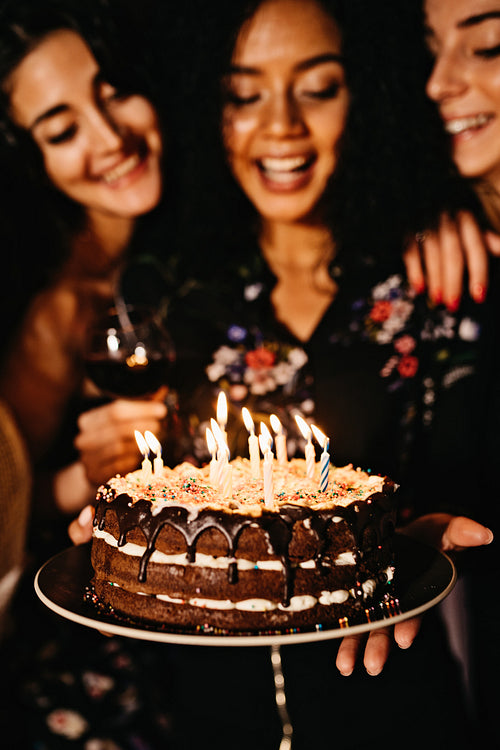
[
  {"x": 38, "y": 221},
  {"x": 394, "y": 175}
]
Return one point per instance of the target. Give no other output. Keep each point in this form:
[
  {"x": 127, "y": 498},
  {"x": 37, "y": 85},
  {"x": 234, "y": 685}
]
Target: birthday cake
[{"x": 171, "y": 549}]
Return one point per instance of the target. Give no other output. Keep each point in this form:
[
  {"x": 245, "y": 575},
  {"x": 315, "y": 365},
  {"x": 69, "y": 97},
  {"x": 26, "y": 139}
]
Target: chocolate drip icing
[{"x": 277, "y": 525}]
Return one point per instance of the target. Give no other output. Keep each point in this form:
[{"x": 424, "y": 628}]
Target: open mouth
[
  {"x": 461, "y": 125},
  {"x": 285, "y": 170},
  {"x": 123, "y": 169}
]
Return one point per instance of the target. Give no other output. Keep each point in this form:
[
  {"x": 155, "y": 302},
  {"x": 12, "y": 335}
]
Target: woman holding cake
[{"x": 320, "y": 322}]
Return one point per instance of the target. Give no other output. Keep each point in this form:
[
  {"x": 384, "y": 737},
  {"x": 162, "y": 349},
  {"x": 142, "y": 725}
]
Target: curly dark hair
[{"x": 394, "y": 175}]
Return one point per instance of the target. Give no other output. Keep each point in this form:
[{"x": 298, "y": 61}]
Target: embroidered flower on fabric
[
  {"x": 67, "y": 723},
  {"x": 97, "y": 685},
  {"x": 254, "y": 365}
]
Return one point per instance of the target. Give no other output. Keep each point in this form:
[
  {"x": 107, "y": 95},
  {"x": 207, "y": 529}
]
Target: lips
[
  {"x": 121, "y": 170},
  {"x": 285, "y": 170},
  {"x": 461, "y": 125}
]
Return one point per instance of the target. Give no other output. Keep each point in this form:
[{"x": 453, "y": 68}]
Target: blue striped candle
[{"x": 324, "y": 467}]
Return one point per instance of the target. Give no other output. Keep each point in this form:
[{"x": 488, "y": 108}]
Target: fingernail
[
  {"x": 478, "y": 293},
  {"x": 490, "y": 537},
  {"x": 437, "y": 297},
  {"x": 419, "y": 288},
  {"x": 86, "y": 516},
  {"x": 453, "y": 305},
  {"x": 345, "y": 673}
]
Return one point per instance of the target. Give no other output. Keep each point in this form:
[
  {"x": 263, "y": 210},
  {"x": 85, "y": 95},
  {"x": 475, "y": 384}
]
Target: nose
[
  {"x": 447, "y": 78},
  {"x": 105, "y": 134},
  {"x": 284, "y": 116}
]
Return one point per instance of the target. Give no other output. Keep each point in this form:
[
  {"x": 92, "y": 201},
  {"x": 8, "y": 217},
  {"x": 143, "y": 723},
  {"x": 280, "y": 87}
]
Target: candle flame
[
  {"x": 141, "y": 442},
  {"x": 153, "y": 442},
  {"x": 247, "y": 419},
  {"x": 276, "y": 424},
  {"x": 212, "y": 446},
  {"x": 320, "y": 436},
  {"x": 222, "y": 409},
  {"x": 303, "y": 427},
  {"x": 265, "y": 438},
  {"x": 264, "y": 444},
  {"x": 218, "y": 435}
]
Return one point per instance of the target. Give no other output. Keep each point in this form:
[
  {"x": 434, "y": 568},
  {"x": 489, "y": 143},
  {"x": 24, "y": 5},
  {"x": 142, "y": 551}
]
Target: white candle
[
  {"x": 222, "y": 413},
  {"x": 212, "y": 447},
  {"x": 227, "y": 481},
  {"x": 253, "y": 444},
  {"x": 265, "y": 446},
  {"x": 324, "y": 472},
  {"x": 155, "y": 446},
  {"x": 147, "y": 468},
  {"x": 309, "y": 450},
  {"x": 222, "y": 465},
  {"x": 281, "y": 451}
]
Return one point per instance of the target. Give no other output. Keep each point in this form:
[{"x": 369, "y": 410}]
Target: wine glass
[{"x": 129, "y": 353}]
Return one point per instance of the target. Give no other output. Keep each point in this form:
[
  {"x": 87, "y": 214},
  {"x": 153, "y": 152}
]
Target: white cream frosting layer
[
  {"x": 208, "y": 561},
  {"x": 297, "y": 603}
]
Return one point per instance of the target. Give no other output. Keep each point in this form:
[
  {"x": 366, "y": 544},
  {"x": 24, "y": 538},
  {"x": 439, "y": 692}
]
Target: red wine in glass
[{"x": 130, "y": 353}]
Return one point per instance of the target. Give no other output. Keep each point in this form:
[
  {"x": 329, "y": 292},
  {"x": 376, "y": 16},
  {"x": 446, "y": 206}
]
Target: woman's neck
[
  {"x": 296, "y": 248},
  {"x": 299, "y": 256},
  {"x": 98, "y": 250}
]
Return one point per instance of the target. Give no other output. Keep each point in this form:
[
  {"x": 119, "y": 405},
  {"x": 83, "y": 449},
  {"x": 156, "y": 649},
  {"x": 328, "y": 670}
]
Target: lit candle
[
  {"x": 212, "y": 447},
  {"x": 265, "y": 446},
  {"x": 155, "y": 446},
  {"x": 223, "y": 468},
  {"x": 253, "y": 444},
  {"x": 222, "y": 413},
  {"x": 281, "y": 452},
  {"x": 147, "y": 468},
  {"x": 309, "y": 451},
  {"x": 324, "y": 472}
]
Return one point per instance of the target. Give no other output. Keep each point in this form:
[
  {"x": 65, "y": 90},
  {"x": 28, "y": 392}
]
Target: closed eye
[
  {"x": 488, "y": 52},
  {"x": 329, "y": 92},
  {"x": 240, "y": 101},
  {"x": 63, "y": 137}
]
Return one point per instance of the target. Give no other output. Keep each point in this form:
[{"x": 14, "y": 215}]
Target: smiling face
[
  {"x": 464, "y": 36},
  {"x": 100, "y": 149},
  {"x": 286, "y": 106}
]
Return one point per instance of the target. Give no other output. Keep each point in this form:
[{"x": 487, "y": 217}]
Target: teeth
[
  {"x": 284, "y": 164},
  {"x": 455, "y": 127},
  {"x": 122, "y": 169}
]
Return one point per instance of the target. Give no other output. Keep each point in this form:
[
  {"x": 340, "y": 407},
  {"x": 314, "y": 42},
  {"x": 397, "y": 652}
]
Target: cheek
[
  {"x": 494, "y": 88},
  {"x": 237, "y": 132},
  {"x": 64, "y": 167}
]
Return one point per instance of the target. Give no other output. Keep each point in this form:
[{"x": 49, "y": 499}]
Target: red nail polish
[
  {"x": 437, "y": 297},
  {"x": 419, "y": 288},
  {"x": 453, "y": 305},
  {"x": 478, "y": 293}
]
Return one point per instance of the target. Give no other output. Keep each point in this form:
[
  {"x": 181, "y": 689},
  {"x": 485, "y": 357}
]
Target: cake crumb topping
[{"x": 190, "y": 486}]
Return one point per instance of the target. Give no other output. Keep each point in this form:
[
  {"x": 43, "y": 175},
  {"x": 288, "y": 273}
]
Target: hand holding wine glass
[{"x": 128, "y": 360}]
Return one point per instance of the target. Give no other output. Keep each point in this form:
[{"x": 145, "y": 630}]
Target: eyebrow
[
  {"x": 311, "y": 62},
  {"x": 52, "y": 112},
  {"x": 479, "y": 18},
  {"x": 60, "y": 108}
]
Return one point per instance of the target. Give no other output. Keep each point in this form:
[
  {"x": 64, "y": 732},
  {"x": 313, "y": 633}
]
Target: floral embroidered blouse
[{"x": 379, "y": 376}]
